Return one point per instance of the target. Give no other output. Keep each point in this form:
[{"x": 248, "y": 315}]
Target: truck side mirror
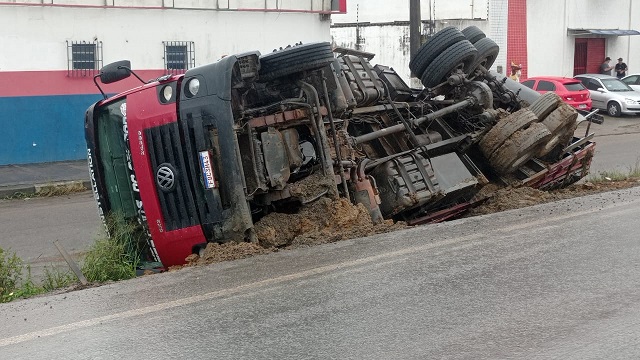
[{"x": 116, "y": 71}]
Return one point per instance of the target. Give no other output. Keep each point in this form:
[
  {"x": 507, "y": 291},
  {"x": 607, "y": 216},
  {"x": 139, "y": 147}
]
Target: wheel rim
[{"x": 613, "y": 110}]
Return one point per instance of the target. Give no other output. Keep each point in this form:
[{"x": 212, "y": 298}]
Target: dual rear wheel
[
  {"x": 542, "y": 130},
  {"x": 451, "y": 51}
]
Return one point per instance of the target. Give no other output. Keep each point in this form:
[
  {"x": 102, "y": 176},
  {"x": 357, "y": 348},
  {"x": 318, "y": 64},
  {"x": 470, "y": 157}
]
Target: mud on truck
[{"x": 202, "y": 156}]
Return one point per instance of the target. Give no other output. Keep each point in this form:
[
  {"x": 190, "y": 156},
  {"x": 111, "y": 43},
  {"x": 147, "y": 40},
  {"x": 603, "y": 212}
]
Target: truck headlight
[
  {"x": 193, "y": 86},
  {"x": 167, "y": 93}
]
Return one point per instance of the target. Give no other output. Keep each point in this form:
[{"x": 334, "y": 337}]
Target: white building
[
  {"x": 548, "y": 37},
  {"x": 51, "y": 50}
]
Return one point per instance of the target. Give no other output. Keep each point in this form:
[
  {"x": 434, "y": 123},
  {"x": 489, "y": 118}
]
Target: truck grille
[{"x": 177, "y": 202}]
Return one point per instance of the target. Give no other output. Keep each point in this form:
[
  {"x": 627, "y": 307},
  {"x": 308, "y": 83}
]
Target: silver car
[
  {"x": 632, "y": 80},
  {"x": 611, "y": 94}
]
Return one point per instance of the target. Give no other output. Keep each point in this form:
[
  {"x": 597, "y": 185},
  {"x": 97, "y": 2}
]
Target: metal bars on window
[
  {"x": 83, "y": 58},
  {"x": 179, "y": 56}
]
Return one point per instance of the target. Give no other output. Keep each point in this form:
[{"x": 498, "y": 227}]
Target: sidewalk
[{"x": 30, "y": 178}]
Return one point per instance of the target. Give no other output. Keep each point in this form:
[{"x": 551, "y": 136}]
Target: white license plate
[
  {"x": 582, "y": 106},
  {"x": 207, "y": 170}
]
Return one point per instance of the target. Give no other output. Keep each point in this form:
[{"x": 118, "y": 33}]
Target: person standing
[
  {"x": 621, "y": 69},
  {"x": 515, "y": 71},
  {"x": 605, "y": 68}
]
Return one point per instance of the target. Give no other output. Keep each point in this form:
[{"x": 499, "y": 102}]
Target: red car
[{"x": 570, "y": 90}]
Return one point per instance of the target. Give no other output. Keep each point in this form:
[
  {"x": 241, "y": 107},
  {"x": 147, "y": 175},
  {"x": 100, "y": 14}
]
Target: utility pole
[{"x": 415, "y": 26}]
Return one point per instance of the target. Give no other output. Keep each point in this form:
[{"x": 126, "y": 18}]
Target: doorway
[{"x": 588, "y": 55}]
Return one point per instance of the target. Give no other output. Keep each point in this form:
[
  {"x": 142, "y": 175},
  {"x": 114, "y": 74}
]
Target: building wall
[
  {"x": 384, "y": 29},
  {"x": 532, "y": 33},
  {"x": 551, "y": 50},
  {"x": 398, "y": 10},
  {"x": 42, "y": 106},
  {"x": 389, "y": 41}
]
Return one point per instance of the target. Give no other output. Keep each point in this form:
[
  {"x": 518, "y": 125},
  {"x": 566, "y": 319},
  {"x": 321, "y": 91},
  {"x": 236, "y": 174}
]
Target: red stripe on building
[
  {"x": 517, "y": 35},
  {"x": 59, "y": 82}
]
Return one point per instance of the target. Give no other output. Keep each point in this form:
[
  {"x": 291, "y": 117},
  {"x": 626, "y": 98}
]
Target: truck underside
[{"x": 277, "y": 132}]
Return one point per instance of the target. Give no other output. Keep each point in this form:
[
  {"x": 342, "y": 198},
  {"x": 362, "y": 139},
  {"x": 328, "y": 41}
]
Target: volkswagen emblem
[{"x": 166, "y": 177}]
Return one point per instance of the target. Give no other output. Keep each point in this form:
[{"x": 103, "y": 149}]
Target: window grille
[
  {"x": 83, "y": 58},
  {"x": 179, "y": 56}
]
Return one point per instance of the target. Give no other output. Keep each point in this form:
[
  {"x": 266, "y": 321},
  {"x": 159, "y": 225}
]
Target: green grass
[
  {"x": 55, "y": 278},
  {"x": 115, "y": 257},
  {"x": 633, "y": 172},
  {"x": 13, "y": 284},
  {"x": 109, "y": 259}
]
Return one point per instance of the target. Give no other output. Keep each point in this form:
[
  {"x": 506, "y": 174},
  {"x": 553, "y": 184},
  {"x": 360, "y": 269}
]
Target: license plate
[
  {"x": 207, "y": 170},
  {"x": 582, "y": 106}
]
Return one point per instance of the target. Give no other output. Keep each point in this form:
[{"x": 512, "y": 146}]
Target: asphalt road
[
  {"x": 30, "y": 226},
  {"x": 558, "y": 280},
  {"x": 617, "y": 144}
]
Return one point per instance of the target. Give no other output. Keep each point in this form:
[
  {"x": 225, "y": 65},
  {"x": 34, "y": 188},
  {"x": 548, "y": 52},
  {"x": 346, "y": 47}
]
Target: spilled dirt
[{"x": 325, "y": 220}]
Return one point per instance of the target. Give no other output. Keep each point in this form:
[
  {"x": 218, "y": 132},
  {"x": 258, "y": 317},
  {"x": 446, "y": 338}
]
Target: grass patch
[
  {"x": 117, "y": 256},
  {"x": 632, "y": 173},
  {"x": 59, "y": 190},
  {"x": 55, "y": 278},
  {"x": 50, "y": 190},
  {"x": 12, "y": 283}
]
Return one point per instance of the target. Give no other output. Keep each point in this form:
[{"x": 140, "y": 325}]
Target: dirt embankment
[{"x": 327, "y": 220}]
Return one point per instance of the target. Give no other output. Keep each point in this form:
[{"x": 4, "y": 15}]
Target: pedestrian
[
  {"x": 621, "y": 69},
  {"x": 515, "y": 71},
  {"x": 605, "y": 68}
]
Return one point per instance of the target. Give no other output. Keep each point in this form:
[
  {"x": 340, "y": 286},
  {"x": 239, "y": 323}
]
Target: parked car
[
  {"x": 633, "y": 81},
  {"x": 611, "y": 94},
  {"x": 570, "y": 90}
]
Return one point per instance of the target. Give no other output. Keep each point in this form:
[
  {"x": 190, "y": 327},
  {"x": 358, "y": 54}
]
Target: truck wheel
[
  {"x": 545, "y": 104},
  {"x": 457, "y": 57},
  {"x": 519, "y": 148},
  {"x": 504, "y": 129},
  {"x": 441, "y": 41},
  {"x": 613, "y": 109},
  {"x": 487, "y": 53},
  {"x": 561, "y": 123},
  {"x": 295, "y": 59},
  {"x": 473, "y": 34}
]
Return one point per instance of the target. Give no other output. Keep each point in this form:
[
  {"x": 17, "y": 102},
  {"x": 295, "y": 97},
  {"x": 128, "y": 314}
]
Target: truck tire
[
  {"x": 506, "y": 127},
  {"x": 441, "y": 41},
  {"x": 473, "y": 34},
  {"x": 295, "y": 59},
  {"x": 487, "y": 53},
  {"x": 545, "y": 104},
  {"x": 519, "y": 148},
  {"x": 457, "y": 57},
  {"x": 561, "y": 123}
]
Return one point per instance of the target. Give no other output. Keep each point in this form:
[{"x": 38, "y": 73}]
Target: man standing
[
  {"x": 621, "y": 69},
  {"x": 605, "y": 68}
]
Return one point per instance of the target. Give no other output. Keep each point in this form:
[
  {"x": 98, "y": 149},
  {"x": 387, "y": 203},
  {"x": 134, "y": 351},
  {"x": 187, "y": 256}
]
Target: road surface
[{"x": 558, "y": 280}]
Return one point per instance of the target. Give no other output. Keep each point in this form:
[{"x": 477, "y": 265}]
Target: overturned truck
[{"x": 202, "y": 156}]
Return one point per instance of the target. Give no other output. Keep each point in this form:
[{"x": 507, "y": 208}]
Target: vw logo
[{"x": 166, "y": 177}]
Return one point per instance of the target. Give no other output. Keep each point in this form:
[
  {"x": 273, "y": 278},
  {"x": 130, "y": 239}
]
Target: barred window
[
  {"x": 179, "y": 56},
  {"x": 84, "y": 58}
]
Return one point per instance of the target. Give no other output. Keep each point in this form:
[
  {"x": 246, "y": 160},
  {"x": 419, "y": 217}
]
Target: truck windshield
[{"x": 115, "y": 157}]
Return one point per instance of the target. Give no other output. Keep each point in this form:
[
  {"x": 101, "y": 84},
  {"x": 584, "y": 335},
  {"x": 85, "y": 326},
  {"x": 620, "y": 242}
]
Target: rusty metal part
[
  {"x": 416, "y": 122},
  {"x": 283, "y": 117}
]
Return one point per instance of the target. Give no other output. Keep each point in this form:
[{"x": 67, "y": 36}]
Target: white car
[
  {"x": 633, "y": 81},
  {"x": 611, "y": 94}
]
